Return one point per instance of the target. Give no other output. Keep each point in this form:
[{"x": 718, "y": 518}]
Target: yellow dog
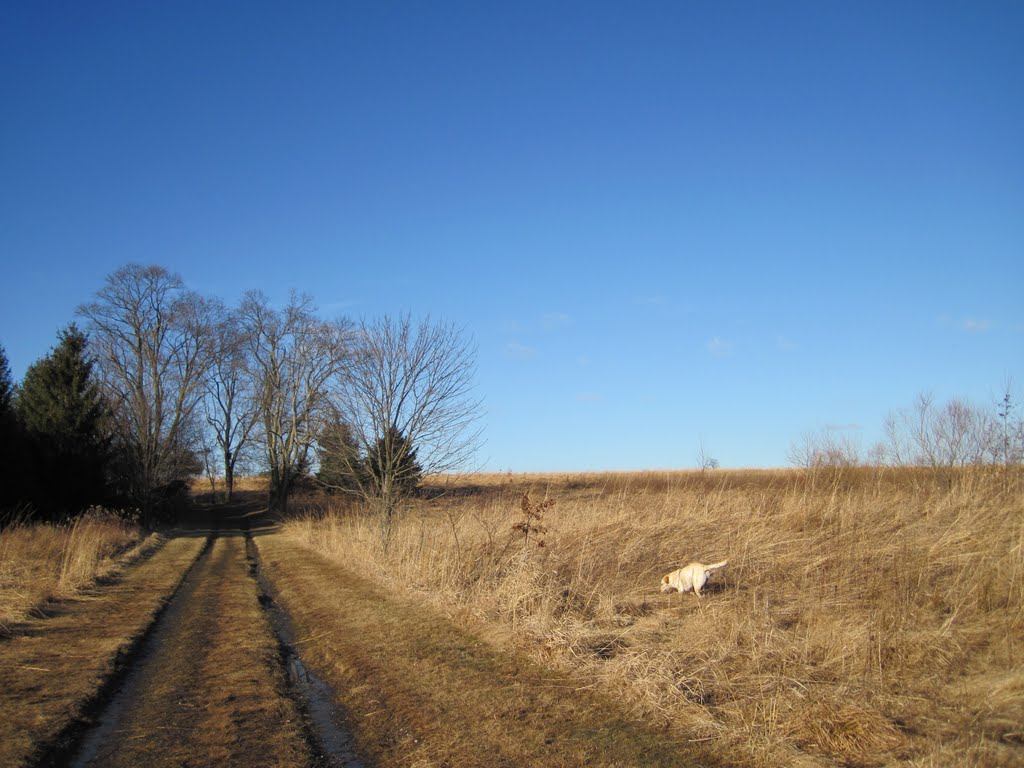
[{"x": 693, "y": 576}]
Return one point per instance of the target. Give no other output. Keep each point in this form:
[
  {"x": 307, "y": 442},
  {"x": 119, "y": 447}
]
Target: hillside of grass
[{"x": 867, "y": 617}]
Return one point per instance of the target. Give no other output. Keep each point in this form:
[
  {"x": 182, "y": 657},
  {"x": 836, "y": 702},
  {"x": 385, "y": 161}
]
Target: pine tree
[
  {"x": 341, "y": 466},
  {"x": 12, "y": 484},
  {"x": 64, "y": 415},
  {"x": 393, "y": 467},
  {"x": 6, "y": 384}
]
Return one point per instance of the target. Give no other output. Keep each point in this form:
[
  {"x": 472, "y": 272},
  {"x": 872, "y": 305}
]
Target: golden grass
[
  {"x": 44, "y": 561},
  {"x": 51, "y": 669},
  {"x": 419, "y": 690},
  {"x": 243, "y": 483},
  {"x": 866, "y": 617}
]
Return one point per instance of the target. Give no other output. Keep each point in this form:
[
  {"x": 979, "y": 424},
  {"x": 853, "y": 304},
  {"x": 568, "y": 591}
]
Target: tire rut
[
  {"x": 207, "y": 686},
  {"x": 326, "y": 723},
  {"x": 57, "y": 750}
]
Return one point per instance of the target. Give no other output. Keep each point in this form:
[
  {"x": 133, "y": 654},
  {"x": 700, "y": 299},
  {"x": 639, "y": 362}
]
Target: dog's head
[{"x": 666, "y": 587}]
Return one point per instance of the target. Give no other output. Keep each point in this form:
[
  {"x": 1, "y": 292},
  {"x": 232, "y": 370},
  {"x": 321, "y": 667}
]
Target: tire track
[
  {"x": 327, "y": 729},
  {"x": 103, "y": 631},
  {"x": 208, "y": 687}
]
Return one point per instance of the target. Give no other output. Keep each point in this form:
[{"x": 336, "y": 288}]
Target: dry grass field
[
  {"x": 42, "y": 561},
  {"x": 867, "y": 617}
]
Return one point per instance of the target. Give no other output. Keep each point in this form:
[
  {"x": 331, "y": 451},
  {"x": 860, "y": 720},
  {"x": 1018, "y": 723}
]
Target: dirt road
[
  {"x": 187, "y": 660},
  {"x": 175, "y": 662},
  {"x": 209, "y": 688}
]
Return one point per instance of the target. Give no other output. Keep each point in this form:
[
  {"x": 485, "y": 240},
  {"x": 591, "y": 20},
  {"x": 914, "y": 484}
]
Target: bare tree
[
  {"x": 824, "y": 449},
  {"x": 295, "y": 359},
  {"x": 410, "y": 406},
  {"x": 1008, "y": 432},
  {"x": 941, "y": 437},
  {"x": 705, "y": 460},
  {"x": 230, "y": 404},
  {"x": 152, "y": 340}
]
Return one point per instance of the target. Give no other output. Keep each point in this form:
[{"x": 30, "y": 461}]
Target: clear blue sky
[{"x": 661, "y": 222}]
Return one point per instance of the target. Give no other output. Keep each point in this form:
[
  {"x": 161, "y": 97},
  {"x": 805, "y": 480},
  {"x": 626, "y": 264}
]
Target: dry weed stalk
[
  {"x": 532, "y": 516},
  {"x": 43, "y": 561},
  {"x": 866, "y": 618}
]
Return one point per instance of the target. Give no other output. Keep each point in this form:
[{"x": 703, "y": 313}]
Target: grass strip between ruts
[{"x": 421, "y": 691}]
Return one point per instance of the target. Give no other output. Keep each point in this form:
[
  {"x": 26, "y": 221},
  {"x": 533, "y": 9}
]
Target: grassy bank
[
  {"x": 865, "y": 618},
  {"x": 420, "y": 690},
  {"x": 40, "y": 562},
  {"x": 54, "y": 669}
]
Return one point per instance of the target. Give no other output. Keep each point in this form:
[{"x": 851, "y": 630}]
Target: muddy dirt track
[
  {"x": 190, "y": 659},
  {"x": 201, "y": 678},
  {"x": 209, "y": 684}
]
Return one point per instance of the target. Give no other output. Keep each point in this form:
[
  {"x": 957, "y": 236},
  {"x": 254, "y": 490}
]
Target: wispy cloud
[
  {"x": 553, "y": 321},
  {"x": 338, "y": 306},
  {"x": 652, "y": 301},
  {"x": 853, "y": 427},
  {"x": 964, "y": 323},
  {"x": 719, "y": 347},
  {"x": 520, "y": 351}
]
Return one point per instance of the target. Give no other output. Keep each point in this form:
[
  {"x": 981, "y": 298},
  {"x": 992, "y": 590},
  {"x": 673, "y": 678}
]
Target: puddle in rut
[{"x": 315, "y": 695}]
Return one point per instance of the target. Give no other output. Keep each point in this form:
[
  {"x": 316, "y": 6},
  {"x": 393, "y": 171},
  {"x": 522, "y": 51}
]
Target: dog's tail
[{"x": 716, "y": 566}]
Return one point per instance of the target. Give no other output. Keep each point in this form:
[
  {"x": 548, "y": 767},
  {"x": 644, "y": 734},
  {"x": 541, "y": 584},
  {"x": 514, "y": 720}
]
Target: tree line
[
  {"x": 936, "y": 435},
  {"x": 160, "y": 383}
]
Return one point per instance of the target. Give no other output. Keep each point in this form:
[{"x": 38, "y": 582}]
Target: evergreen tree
[
  {"x": 64, "y": 415},
  {"x": 6, "y": 384},
  {"x": 341, "y": 466},
  {"x": 392, "y": 466},
  {"x": 11, "y": 444}
]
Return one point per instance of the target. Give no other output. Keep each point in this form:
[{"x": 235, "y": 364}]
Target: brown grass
[
  {"x": 243, "y": 484},
  {"x": 866, "y": 617},
  {"x": 43, "y": 561},
  {"x": 420, "y": 690},
  {"x": 51, "y": 668}
]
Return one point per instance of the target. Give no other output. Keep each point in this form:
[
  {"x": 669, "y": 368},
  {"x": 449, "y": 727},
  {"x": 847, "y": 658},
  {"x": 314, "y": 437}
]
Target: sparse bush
[
  {"x": 824, "y": 450},
  {"x": 532, "y": 516}
]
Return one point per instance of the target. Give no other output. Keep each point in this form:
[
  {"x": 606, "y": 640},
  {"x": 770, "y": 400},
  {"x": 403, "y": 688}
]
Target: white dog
[{"x": 693, "y": 576}]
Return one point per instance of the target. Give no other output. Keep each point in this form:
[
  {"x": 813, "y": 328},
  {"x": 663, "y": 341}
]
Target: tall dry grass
[
  {"x": 866, "y": 618},
  {"x": 45, "y": 561}
]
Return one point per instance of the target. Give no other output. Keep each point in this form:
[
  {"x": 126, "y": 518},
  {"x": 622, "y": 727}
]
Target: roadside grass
[
  {"x": 867, "y": 617},
  {"x": 54, "y": 667},
  {"x": 419, "y": 690},
  {"x": 40, "y": 562}
]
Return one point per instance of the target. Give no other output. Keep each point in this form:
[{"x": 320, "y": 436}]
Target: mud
[
  {"x": 216, "y": 679},
  {"x": 329, "y": 730}
]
